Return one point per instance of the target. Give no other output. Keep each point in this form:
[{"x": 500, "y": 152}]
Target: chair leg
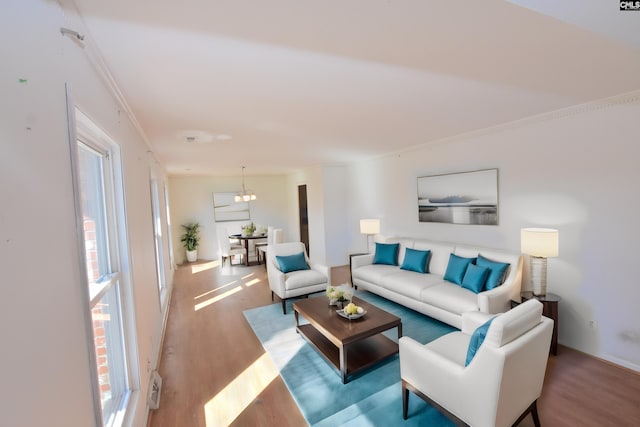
[
  {"x": 534, "y": 414},
  {"x": 284, "y": 307},
  {"x": 271, "y": 296},
  {"x": 405, "y": 401}
]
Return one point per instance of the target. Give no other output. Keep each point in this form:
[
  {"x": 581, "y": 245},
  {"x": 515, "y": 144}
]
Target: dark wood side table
[
  {"x": 350, "y": 258},
  {"x": 549, "y": 308}
]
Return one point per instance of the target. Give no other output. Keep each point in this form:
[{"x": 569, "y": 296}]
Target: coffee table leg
[{"x": 343, "y": 364}]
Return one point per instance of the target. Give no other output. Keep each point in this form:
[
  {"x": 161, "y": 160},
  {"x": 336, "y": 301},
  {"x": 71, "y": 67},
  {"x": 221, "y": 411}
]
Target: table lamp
[
  {"x": 369, "y": 227},
  {"x": 539, "y": 244}
]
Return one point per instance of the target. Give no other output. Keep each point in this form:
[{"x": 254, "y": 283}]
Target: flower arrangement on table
[
  {"x": 339, "y": 295},
  {"x": 248, "y": 230}
]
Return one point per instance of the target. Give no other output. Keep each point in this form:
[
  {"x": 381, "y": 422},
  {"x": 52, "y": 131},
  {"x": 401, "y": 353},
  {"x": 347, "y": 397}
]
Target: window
[
  {"x": 157, "y": 231},
  {"x": 168, "y": 214},
  {"x": 100, "y": 214}
]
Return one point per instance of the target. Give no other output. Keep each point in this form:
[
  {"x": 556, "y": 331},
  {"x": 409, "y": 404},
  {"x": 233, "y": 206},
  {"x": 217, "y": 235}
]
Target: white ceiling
[{"x": 298, "y": 83}]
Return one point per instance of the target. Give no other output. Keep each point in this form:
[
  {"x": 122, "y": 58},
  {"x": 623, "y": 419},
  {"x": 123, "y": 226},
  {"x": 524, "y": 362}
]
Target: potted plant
[{"x": 190, "y": 240}]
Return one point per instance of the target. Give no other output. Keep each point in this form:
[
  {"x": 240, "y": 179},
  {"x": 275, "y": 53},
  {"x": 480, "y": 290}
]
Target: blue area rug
[{"x": 372, "y": 398}]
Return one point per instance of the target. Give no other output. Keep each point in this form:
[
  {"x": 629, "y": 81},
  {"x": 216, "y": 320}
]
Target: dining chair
[
  {"x": 274, "y": 236},
  {"x": 226, "y": 248},
  {"x": 261, "y": 247}
]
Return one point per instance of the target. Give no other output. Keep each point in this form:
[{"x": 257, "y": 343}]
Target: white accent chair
[
  {"x": 226, "y": 249},
  {"x": 501, "y": 384},
  {"x": 298, "y": 283}
]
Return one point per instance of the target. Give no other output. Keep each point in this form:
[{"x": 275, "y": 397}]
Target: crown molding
[
  {"x": 97, "y": 60},
  {"x": 587, "y": 107}
]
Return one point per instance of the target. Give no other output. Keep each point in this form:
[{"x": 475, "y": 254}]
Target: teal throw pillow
[
  {"x": 415, "y": 260},
  {"x": 497, "y": 271},
  {"x": 386, "y": 253},
  {"x": 291, "y": 263},
  {"x": 475, "y": 278},
  {"x": 456, "y": 268},
  {"x": 477, "y": 339}
]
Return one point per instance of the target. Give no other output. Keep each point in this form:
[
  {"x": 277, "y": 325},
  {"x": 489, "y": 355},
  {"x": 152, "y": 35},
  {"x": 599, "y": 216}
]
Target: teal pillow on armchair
[{"x": 289, "y": 263}]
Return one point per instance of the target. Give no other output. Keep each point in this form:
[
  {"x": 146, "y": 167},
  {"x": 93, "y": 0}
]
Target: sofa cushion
[
  {"x": 303, "y": 278},
  {"x": 415, "y": 260},
  {"x": 288, "y": 263},
  {"x": 386, "y": 253},
  {"x": 409, "y": 283},
  {"x": 497, "y": 271},
  {"x": 456, "y": 268},
  {"x": 374, "y": 273},
  {"x": 439, "y": 254},
  {"x": 474, "y": 278},
  {"x": 450, "y": 297}
]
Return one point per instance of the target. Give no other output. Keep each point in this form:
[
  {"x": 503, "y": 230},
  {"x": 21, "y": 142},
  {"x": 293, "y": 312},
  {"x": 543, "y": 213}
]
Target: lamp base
[{"x": 538, "y": 275}]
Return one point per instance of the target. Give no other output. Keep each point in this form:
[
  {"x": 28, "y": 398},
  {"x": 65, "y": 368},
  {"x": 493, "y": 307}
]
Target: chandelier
[{"x": 245, "y": 195}]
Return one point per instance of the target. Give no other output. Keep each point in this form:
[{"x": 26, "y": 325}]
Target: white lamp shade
[
  {"x": 369, "y": 226},
  {"x": 539, "y": 242}
]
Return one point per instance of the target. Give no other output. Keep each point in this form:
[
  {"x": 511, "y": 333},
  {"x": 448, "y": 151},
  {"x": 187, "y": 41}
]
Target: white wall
[
  {"x": 44, "y": 365},
  {"x": 191, "y": 200},
  {"x": 576, "y": 171}
]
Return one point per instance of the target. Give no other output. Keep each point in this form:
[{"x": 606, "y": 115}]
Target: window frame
[{"x": 83, "y": 130}]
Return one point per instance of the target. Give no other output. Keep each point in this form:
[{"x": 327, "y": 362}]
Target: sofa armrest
[
  {"x": 361, "y": 260},
  {"x": 497, "y": 300},
  {"x": 276, "y": 280},
  {"x": 415, "y": 358},
  {"x": 322, "y": 269}
]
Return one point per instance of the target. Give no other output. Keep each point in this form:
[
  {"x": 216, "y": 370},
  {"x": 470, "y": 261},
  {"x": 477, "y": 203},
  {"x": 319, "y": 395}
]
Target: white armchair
[
  {"x": 294, "y": 283},
  {"x": 500, "y": 385}
]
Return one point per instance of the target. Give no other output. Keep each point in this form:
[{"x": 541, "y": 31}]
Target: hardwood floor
[{"x": 215, "y": 371}]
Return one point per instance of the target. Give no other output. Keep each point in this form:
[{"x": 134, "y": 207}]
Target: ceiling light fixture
[{"x": 245, "y": 195}]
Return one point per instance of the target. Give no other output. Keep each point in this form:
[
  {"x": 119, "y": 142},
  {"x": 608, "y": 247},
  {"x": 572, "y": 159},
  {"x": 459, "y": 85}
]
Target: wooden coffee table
[{"x": 348, "y": 345}]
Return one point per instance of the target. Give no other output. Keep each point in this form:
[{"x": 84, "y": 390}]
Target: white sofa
[{"x": 429, "y": 293}]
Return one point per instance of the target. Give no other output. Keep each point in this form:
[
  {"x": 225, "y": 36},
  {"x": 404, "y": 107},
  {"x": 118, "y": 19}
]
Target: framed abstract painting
[{"x": 459, "y": 198}]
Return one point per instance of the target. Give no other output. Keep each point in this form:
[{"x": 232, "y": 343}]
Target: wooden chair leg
[
  {"x": 534, "y": 414},
  {"x": 284, "y": 307},
  {"x": 271, "y": 296},
  {"x": 405, "y": 401}
]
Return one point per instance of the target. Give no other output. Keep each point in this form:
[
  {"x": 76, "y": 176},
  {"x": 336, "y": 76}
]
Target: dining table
[{"x": 244, "y": 239}]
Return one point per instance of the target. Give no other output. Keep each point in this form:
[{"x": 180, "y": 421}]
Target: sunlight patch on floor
[
  {"x": 253, "y": 282},
  {"x": 225, "y": 407},
  {"x": 198, "y": 268},
  {"x": 288, "y": 342},
  {"x": 248, "y": 275},
  {"x": 214, "y": 290},
  {"x": 215, "y": 299}
]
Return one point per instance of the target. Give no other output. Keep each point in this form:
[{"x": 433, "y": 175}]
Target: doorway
[{"x": 303, "y": 216}]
